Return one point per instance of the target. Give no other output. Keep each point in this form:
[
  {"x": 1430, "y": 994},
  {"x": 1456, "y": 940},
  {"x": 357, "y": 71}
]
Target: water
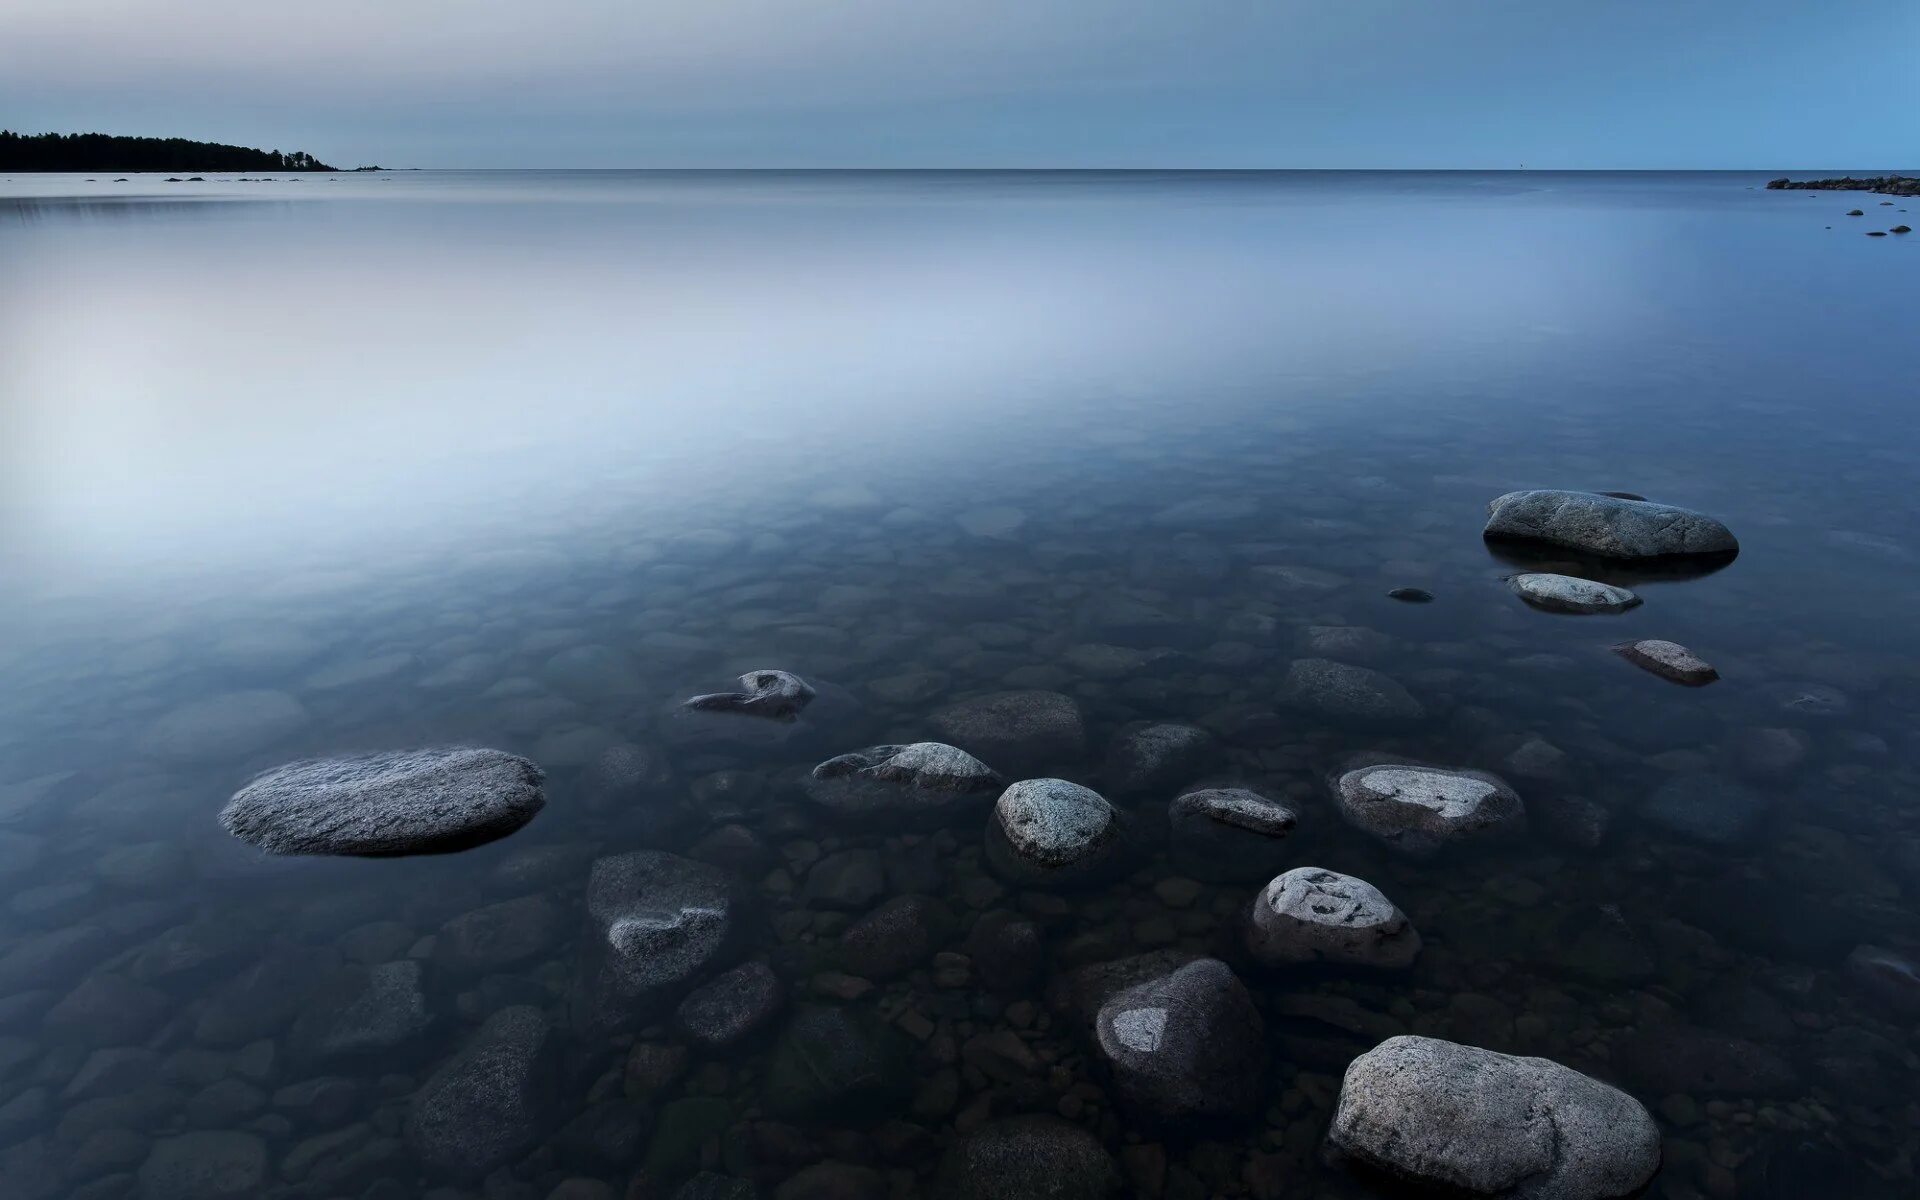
[{"x": 396, "y": 446}]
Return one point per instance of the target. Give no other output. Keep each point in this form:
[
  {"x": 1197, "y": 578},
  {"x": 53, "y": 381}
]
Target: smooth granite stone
[
  {"x": 923, "y": 784},
  {"x": 1348, "y": 694},
  {"x": 1568, "y": 594},
  {"x": 1442, "y": 1115},
  {"x": 1607, "y": 526},
  {"x": 1312, "y": 915},
  {"x": 1669, "y": 660},
  {"x": 1185, "y": 1050},
  {"x": 1032, "y": 1157},
  {"x": 1420, "y": 810},
  {"x": 388, "y": 803},
  {"x": 1019, "y": 731},
  {"x": 1049, "y": 833},
  {"x": 1225, "y": 834},
  {"x": 492, "y": 1102},
  {"x": 655, "y": 922},
  {"x": 775, "y": 695}
]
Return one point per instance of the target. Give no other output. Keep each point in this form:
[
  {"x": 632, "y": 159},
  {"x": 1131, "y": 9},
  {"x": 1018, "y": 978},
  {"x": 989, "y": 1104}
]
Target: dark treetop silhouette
[{"x": 105, "y": 152}]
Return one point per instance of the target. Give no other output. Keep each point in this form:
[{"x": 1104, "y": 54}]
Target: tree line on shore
[{"x": 106, "y": 152}]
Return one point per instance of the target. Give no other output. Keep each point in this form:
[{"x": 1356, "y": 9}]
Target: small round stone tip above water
[
  {"x": 1312, "y": 915},
  {"x": 1669, "y": 660},
  {"x": 388, "y": 803},
  {"x": 1568, "y": 594},
  {"x": 1052, "y": 833},
  {"x": 1607, "y": 526}
]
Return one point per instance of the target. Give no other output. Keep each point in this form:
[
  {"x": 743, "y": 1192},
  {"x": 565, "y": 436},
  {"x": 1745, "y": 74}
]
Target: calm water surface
[{"x": 523, "y": 459}]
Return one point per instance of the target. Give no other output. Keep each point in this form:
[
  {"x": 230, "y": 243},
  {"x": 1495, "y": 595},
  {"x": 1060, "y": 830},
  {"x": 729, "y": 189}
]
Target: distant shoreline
[
  {"x": 107, "y": 153},
  {"x": 1884, "y": 185}
]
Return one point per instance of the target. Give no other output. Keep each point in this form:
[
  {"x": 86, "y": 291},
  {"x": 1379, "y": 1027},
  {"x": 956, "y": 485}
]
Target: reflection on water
[{"x": 522, "y": 460}]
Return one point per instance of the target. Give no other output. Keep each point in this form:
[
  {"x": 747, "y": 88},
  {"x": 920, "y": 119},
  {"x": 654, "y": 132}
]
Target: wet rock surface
[
  {"x": 774, "y": 695},
  {"x": 1229, "y": 833},
  {"x": 921, "y": 784},
  {"x": 1445, "y": 1115},
  {"x": 492, "y": 1102},
  {"x": 655, "y": 922},
  {"x": 1051, "y": 833},
  {"x": 1607, "y": 526},
  {"x": 1312, "y": 915},
  {"x": 1420, "y": 810},
  {"x": 1669, "y": 660},
  {"x": 1185, "y": 1048},
  {"x": 392, "y": 803},
  {"x": 1568, "y": 594},
  {"x": 1016, "y": 731},
  {"x": 1343, "y": 692}
]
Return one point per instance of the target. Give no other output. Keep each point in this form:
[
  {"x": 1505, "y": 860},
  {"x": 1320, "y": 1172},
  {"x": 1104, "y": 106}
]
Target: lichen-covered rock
[
  {"x": 388, "y": 803},
  {"x": 493, "y": 1101},
  {"x": 1349, "y": 694},
  {"x": 655, "y": 921},
  {"x": 1019, "y": 731},
  {"x": 922, "y": 784},
  {"x": 1442, "y": 1115},
  {"x": 1607, "y": 526},
  {"x": 1225, "y": 834},
  {"x": 1419, "y": 810},
  {"x": 1185, "y": 1049},
  {"x": 1050, "y": 833},
  {"x": 1669, "y": 660},
  {"x": 1312, "y": 915},
  {"x": 775, "y": 695},
  {"x": 1032, "y": 1157},
  {"x": 1570, "y": 594}
]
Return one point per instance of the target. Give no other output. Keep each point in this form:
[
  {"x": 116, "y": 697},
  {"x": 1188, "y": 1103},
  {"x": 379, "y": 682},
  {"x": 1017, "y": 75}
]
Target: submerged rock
[
  {"x": 775, "y": 695},
  {"x": 1185, "y": 1048},
  {"x": 493, "y": 1101},
  {"x": 1669, "y": 660},
  {"x": 388, "y": 803},
  {"x": 1442, "y": 1115},
  {"x": 732, "y": 1006},
  {"x": 920, "y": 784},
  {"x": 1051, "y": 833},
  {"x": 1033, "y": 1157},
  {"x": 1223, "y": 834},
  {"x": 1411, "y": 595},
  {"x": 205, "y": 1166},
  {"x": 365, "y": 1013},
  {"x": 1888, "y": 976},
  {"x": 1569, "y": 594},
  {"x": 655, "y": 921},
  {"x": 1156, "y": 757},
  {"x": 894, "y": 938},
  {"x": 838, "y": 1060},
  {"x": 1420, "y": 810},
  {"x": 1312, "y": 915},
  {"x": 1341, "y": 692},
  {"x": 1706, "y": 807},
  {"x": 1020, "y": 730},
  {"x": 1607, "y": 526}
]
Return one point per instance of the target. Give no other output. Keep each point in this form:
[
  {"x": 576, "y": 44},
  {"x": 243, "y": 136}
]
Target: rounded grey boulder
[
  {"x": 1032, "y": 1157},
  {"x": 1343, "y": 692},
  {"x": 388, "y": 803},
  {"x": 1607, "y": 526},
  {"x": 1669, "y": 660},
  {"x": 1185, "y": 1048},
  {"x": 732, "y": 1006},
  {"x": 1442, "y": 1115},
  {"x": 1312, "y": 915},
  {"x": 655, "y": 921},
  {"x": 923, "y": 783},
  {"x": 1051, "y": 833},
  {"x": 1571, "y": 594},
  {"x": 1223, "y": 834},
  {"x": 1419, "y": 810},
  {"x": 493, "y": 1101}
]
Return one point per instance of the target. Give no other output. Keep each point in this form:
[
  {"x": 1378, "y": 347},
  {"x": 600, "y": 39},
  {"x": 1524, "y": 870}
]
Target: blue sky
[{"x": 1067, "y": 83}]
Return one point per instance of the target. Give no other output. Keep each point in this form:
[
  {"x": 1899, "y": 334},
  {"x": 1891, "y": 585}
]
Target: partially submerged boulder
[
  {"x": 1051, "y": 833},
  {"x": 1571, "y": 594},
  {"x": 1313, "y": 915},
  {"x": 1185, "y": 1049},
  {"x": 1473, "y": 1122},
  {"x": 915, "y": 785},
  {"x": 1420, "y": 810},
  {"x": 775, "y": 695},
  {"x": 1228, "y": 833},
  {"x": 1607, "y": 526},
  {"x": 388, "y": 803},
  {"x": 655, "y": 922},
  {"x": 1020, "y": 730}
]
